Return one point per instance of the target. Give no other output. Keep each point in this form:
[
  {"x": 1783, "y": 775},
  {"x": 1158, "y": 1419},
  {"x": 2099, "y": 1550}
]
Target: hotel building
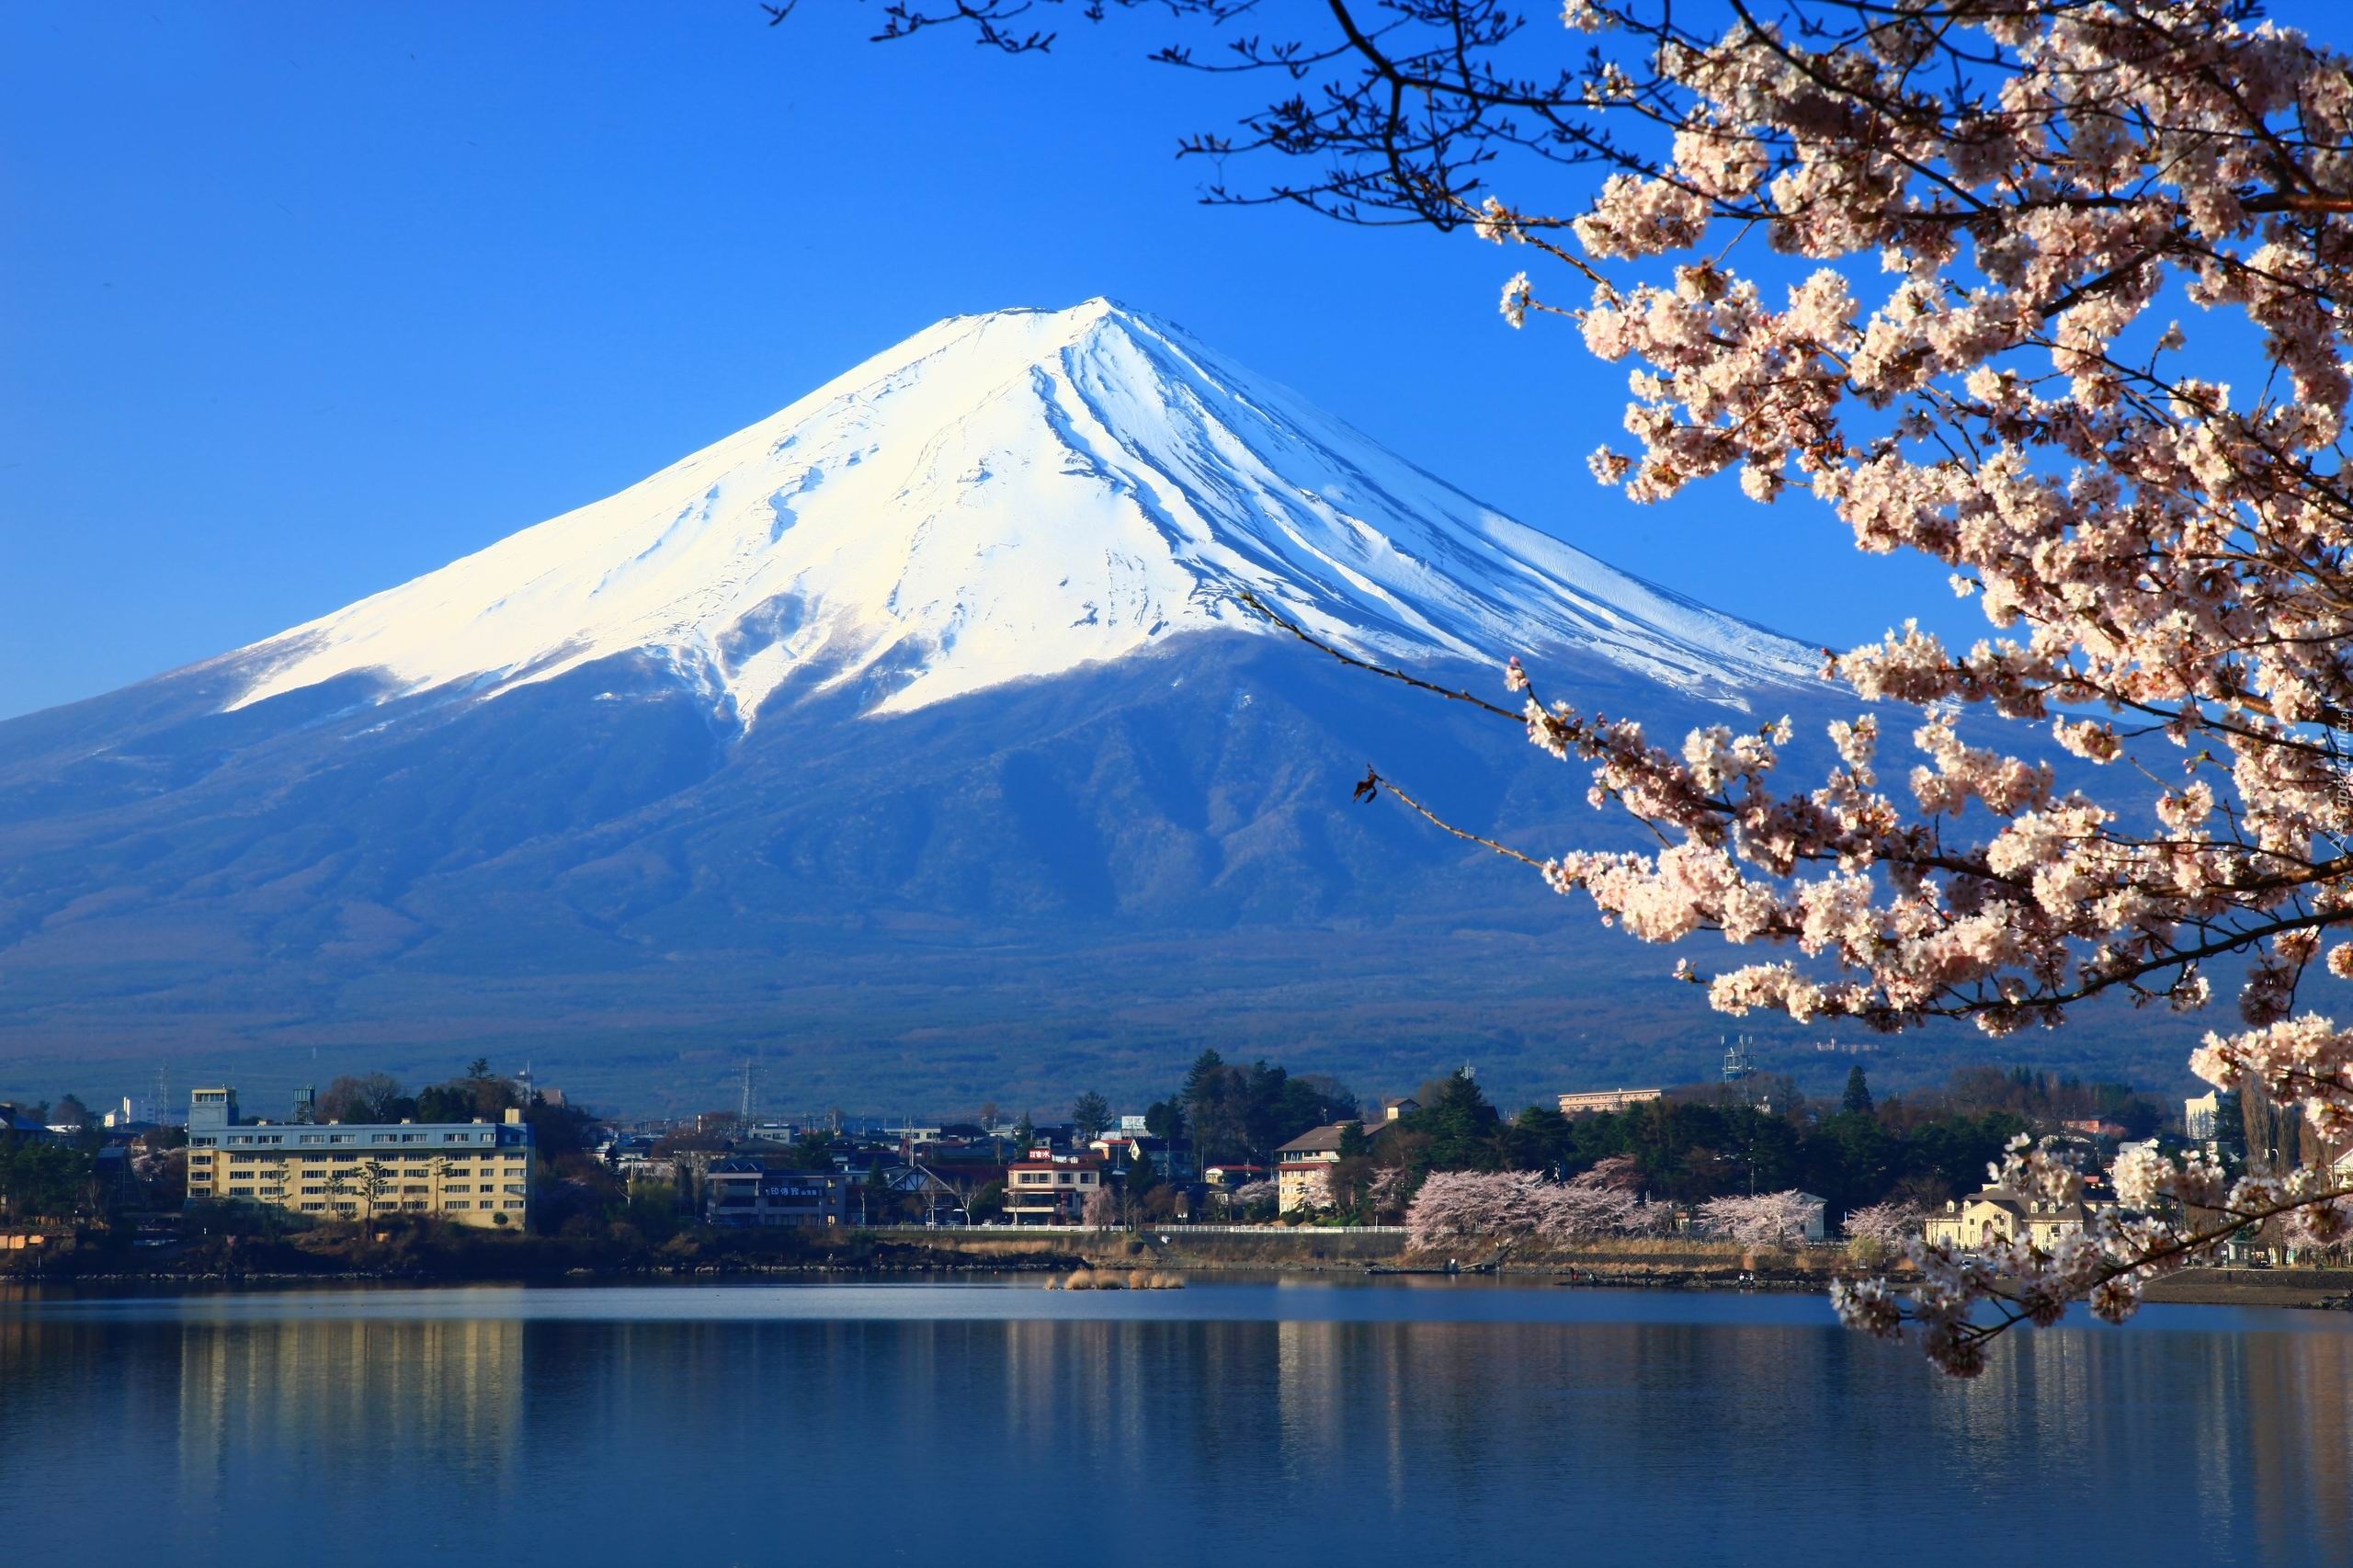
[{"x": 472, "y": 1173}]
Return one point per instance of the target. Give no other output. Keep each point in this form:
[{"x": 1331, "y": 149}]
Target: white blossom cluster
[{"x": 2001, "y": 198}]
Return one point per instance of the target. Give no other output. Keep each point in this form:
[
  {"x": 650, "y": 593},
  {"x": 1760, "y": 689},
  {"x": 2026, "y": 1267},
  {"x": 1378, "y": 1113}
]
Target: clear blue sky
[{"x": 300, "y": 301}]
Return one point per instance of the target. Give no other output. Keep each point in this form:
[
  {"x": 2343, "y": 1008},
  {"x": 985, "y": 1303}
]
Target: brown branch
[
  {"x": 1273, "y": 616},
  {"x": 1373, "y": 783}
]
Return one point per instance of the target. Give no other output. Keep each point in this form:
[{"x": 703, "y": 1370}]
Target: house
[
  {"x": 1996, "y": 1214},
  {"x": 746, "y": 1192},
  {"x": 772, "y": 1132},
  {"x": 1811, "y": 1228},
  {"x": 1591, "y": 1102},
  {"x": 650, "y": 1173},
  {"x": 1048, "y": 1188},
  {"x": 15, "y": 1123},
  {"x": 1230, "y": 1174},
  {"x": 1300, "y": 1165},
  {"x": 1122, "y": 1151},
  {"x": 1394, "y": 1106}
]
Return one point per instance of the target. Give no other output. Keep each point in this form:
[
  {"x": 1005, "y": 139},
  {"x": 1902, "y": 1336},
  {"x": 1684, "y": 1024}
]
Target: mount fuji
[
  {"x": 1007, "y": 497},
  {"x": 916, "y": 737}
]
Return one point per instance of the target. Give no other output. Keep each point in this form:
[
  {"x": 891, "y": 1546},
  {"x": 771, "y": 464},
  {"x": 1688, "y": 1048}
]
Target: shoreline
[{"x": 862, "y": 1255}]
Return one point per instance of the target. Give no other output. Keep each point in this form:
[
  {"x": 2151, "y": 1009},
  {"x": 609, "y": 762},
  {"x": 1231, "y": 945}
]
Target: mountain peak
[{"x": 1003, "y": 496}]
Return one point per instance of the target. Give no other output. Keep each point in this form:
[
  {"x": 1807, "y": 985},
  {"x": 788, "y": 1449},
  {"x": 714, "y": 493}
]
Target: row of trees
[
  {"x": 1708, "y": 1144},
  {"x": 44, "y": 1180},
  {"x": 378, "y": 1097},
  {"x": 1502, "y": 1210},
  {"x": 1232, "y": 1112}
]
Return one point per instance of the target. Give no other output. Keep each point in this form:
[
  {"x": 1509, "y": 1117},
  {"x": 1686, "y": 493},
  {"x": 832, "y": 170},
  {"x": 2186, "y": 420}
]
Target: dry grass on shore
[{"x": 1112, "y": 1279}]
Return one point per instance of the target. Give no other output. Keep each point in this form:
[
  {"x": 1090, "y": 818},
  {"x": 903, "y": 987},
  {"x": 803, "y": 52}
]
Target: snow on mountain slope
[{"x": 1008, "y": 496}]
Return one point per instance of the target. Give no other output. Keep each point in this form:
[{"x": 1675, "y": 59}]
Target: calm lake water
[{"x": 1297, "y": 1425}]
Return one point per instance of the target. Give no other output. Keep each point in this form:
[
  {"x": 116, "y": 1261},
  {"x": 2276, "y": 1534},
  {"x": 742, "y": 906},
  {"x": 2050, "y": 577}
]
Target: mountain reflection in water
[{"x": 1234, "y": 1423}]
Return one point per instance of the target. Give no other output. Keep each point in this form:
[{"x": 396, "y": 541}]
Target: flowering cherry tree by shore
[
  {"x": 1504, "y": 1209},
  {"x": 1764, "y": 1218},
  {"x": 1884, "y": 1226},
  {"x": 1252, "y": 1195},
  {"x": 2073, "y": 327},
  {"x": 2165, "y": 558}
]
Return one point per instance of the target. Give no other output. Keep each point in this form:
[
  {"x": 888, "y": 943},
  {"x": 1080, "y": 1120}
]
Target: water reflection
[{"x": 316, "y": 1431}]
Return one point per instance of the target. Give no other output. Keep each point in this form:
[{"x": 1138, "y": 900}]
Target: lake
[{"x": 1294, "y": 1423}]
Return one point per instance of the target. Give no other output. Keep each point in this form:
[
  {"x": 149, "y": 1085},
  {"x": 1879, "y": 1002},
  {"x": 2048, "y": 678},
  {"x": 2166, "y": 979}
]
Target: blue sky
[{"x": 303, "y": 300}]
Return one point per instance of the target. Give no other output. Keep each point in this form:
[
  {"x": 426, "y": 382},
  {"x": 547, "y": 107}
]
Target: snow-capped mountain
[
  {"x": 1005, "y": 496},
  {"x": 914, "y": 734}
]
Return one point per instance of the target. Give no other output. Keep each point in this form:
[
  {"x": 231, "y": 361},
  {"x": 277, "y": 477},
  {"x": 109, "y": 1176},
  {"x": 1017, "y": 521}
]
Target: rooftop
[{"x": 1326, "y": 1138}]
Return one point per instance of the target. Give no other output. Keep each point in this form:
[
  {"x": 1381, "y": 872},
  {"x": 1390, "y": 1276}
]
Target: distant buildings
[
  {"x": 132, "y": 1112},
  {"x": 2199, "y": 1117},
  {"x": 1589, "y": 1102},
  {"x": 474, "y": 1172}
]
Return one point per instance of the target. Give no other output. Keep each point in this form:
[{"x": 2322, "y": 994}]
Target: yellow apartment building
[{"x": 472, "y": 1173}]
